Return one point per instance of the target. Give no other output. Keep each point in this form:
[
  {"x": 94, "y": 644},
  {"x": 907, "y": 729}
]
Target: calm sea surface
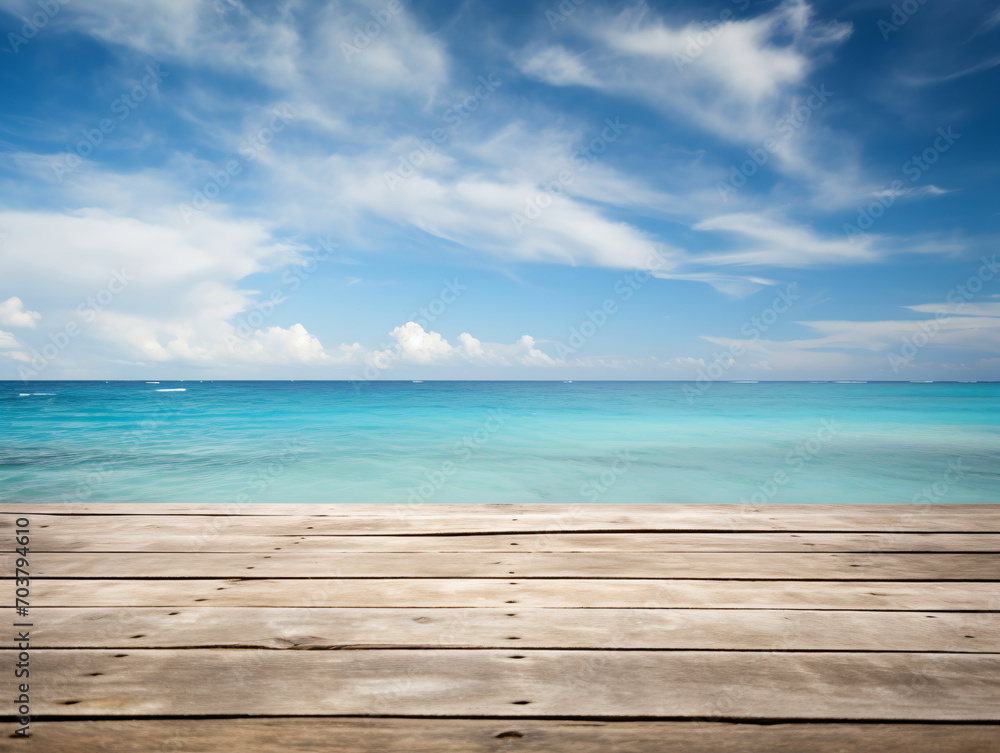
[{"x": 582, "y": 442}]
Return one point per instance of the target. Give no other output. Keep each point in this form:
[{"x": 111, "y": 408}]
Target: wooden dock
[{"x": 485, "y": 628}]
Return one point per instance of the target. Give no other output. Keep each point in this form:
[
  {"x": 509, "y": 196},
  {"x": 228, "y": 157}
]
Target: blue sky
[{"x": 575, "y": 190}]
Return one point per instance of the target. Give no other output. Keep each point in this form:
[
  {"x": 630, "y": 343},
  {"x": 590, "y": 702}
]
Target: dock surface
[{"x": 485, "y": 628}]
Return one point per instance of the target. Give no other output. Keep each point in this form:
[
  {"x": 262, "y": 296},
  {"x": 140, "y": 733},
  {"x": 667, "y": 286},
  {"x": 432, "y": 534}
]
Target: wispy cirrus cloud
[{"x": 597, "y": 148}]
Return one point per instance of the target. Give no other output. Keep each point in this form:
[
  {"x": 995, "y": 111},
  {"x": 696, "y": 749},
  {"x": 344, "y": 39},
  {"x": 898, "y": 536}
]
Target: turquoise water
[{"x": 583, "y": 442}]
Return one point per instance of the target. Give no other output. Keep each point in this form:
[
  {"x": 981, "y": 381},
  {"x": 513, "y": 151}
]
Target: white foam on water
[
  {"x": 152, "y": 382},
  {"x": 173, "y": 389}
]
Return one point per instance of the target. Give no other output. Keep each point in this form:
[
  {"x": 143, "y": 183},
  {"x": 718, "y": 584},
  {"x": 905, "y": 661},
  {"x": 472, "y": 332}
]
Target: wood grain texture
[
  {"x": 629, "y": 627},
  {"x": 325, "y": 628},
  {"x": 565, "y": 684},
  {"x": 70, "y": 539},
  {"x": 316, "y": 735},
  {"x": 458, "y": 592},
  {"x": 730, "y": 565},
  {"x": 408, "y": 519}
]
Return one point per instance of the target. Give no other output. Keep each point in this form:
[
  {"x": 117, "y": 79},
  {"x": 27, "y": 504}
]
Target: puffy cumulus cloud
[
  {"x": 414, "y": 345},
  {"x": 214, "y": 343},
  {"x": 146, "y": 288},
  {"x": 206, "y": 339},
  {"x": 13, "y": 314},
  {"x": 417, "y": 346},
  {"x": 7, "y": 340}
]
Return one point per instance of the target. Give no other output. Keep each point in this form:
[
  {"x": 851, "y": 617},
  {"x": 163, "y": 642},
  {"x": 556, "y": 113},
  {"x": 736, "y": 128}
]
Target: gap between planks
[
  {"x": 280, "y": 735},
  {"x": 552, "y": 593},
  {"x": 814, "y": 566},
  {"x": 475, "y": 683},
  {"x": 614, "y": 629}
]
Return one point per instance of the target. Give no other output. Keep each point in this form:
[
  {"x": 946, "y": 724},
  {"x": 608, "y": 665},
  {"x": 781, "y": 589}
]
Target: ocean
[{"x": 515, "y": 442}]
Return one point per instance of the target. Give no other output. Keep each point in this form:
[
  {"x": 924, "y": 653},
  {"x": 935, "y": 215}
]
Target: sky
[{"x": 462, "y": 189}]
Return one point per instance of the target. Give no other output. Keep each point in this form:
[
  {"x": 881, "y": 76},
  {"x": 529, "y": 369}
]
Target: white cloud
[
  {"x": 13, "y": 314},
  {"x": 963, "y": 308},
  {"x": 766, "y": 241},
  {"x": 414, "y": 345},
  {"x": 747, "y": 79},
  {"x": 559, "y": 67},
  {"x": 970, "y": 332},
  {"x": 733, "y": 78},
  {"x": 417, "y": 346},
  {"x": 80, "y": 250},
  {"x": 830, "y": 352},
  {"x": 7, "y": 340}
]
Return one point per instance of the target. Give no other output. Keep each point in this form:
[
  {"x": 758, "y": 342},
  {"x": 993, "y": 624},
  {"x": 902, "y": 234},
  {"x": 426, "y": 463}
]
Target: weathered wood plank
[
  {"x": 905, "y": 510},
  {"x": 313, "y": 735},
  {"x": 658, "y": 684},
  {"x": 66, "y": 539},
  {"x": 404, "y": 519},
  {"x": 298, "y": 628},
  {"x": 750, "y": 565},
  {"x": 610, "y": 593}
]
